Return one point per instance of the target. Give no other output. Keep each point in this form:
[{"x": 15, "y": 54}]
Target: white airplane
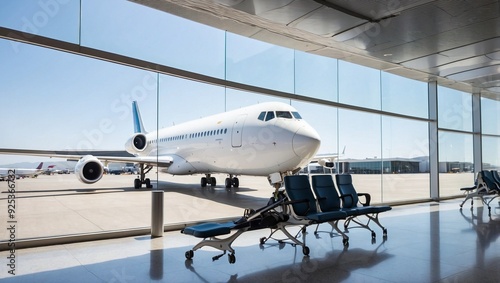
[
  {"x": 51, "y": 170},
  {"x": 21, "y": 172},
  {"x": 327, "y": 160},
  {"x": 268, "y": 139}
]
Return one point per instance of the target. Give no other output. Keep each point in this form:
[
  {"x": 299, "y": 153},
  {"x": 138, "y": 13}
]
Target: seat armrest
[
  {"x": 295, "y": 201},
  {"x": 299, "y": 201},
  {"x": 468, "y": 188},
  {"x": 368, "y": 198}
]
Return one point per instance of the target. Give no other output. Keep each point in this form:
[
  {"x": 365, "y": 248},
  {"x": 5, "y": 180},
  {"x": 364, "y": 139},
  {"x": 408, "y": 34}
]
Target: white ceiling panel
[{"x": 456, "y": 41}]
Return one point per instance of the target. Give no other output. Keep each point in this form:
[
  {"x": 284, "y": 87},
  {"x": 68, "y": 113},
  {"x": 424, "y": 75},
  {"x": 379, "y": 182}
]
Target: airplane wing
[
  {"x": 326, "y": 160},
  {"x": 320, "y": 157},
  {"x": 106, "y": 156}
]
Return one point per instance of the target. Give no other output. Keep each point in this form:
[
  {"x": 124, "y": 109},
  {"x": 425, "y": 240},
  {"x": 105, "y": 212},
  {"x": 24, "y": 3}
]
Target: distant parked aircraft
[{"x": 22, "y": 172}]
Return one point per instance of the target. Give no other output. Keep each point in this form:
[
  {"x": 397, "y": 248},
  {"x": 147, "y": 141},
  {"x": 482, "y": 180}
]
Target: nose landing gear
[{"x": 141, "y": 179}]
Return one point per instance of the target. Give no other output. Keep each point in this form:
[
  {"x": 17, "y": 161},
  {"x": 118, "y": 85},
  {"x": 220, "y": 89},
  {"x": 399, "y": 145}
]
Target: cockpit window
[
  {"x": 283, "y": 114},
  {"x": 262, "y": 115},
  {"x": 270, "y": 115}
]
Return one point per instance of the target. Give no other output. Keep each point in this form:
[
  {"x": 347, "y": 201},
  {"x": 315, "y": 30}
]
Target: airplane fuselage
[
  {"x": 236, "y": 142},
  {"x": 21, "y": 172}
]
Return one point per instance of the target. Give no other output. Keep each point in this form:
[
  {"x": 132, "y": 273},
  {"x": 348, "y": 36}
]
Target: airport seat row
[
  {"x": 486, "y": 187},
  {"x": 300, "y": 205},
  {"x": 348, "y": 201},
  {"x": 303, "y": 211}
]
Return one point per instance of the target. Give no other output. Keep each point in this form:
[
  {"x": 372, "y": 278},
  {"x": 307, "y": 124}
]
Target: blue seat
[
  {"x": 493, "y": 187},
  {"x": 329, "y": 199},
  {"x": 496, "y": 176},
  {"x": 303, "y": 208},
  {"x": 265, "y": 217},
  {"x": 303, "y": 201},
  {"x": 487, "y": 184},
  {"x": 478, "y": 190},
  {"x": 212, "y": 229},
  {"x": 351, "y": 200}
]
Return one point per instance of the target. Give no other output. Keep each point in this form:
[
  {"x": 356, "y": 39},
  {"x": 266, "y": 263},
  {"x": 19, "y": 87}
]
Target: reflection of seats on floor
[
  {"x": 487, "y": 188},
  {"x": 487, "y": 229},
  {"x": 265, "y": 217},
  {"x": 351, "y": 201},
  {"x": 302, "y": 207}
]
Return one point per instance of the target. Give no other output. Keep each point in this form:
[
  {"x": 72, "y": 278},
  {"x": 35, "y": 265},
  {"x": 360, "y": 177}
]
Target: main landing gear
[
  {"x": 141, "y": 179},
  {"x": 232, "y": 181},
  {"x": 208, "y": 180}
]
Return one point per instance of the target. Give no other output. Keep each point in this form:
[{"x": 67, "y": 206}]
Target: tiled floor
[{"x": 430, "y": 242}]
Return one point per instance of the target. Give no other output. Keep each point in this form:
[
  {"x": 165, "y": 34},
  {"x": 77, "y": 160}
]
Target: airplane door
[{"x": 236, "y": 135}]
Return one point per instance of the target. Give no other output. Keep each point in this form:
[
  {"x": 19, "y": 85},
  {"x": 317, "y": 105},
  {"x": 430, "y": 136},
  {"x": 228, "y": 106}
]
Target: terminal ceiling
[{"x": 456, "y": 42}]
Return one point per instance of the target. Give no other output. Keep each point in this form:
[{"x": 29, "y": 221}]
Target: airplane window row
[
  {"x": 194, "y": 135},
  {"x": 269, "y": 115}
]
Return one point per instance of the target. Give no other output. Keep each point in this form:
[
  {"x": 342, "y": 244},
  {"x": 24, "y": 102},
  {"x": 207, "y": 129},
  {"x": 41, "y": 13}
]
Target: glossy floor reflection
[{"x": 431, "y": 242}]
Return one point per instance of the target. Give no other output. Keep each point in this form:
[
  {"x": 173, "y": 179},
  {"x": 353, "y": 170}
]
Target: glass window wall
[
  {"x": 83, "y": 103},
  {"x": 360, "y": 139},
  {"x": 490, "y": 116},
  {"x": 456, "y": 163},
  {"x": 454, "y": 109},
  {"x": 141, "y": 32},
  {"x": 236, "y": 99},
  {"x": 257, "y": 63},
  {"x": 184, "y": 100},
  {"x": 55, "y": 19},
  {"x": 405, "y": 153},
  {"x": 316, "y": 76},
  {"x": 456, "y": 160},
  {"x": 359, "y": 85},
  {"x": 324, "y": 120},
  {"x": 54, "y": 91},
  {"x": 491, "y": 153},
  {"x": 404, "y": 96},
  {"x": 61, "y": 101}
]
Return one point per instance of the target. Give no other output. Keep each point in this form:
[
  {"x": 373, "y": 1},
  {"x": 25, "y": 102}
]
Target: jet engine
[
  {"x": 136, "y": 143},
  {"x": 326, "y": 163},
  {"x": 89, "y": 169}
]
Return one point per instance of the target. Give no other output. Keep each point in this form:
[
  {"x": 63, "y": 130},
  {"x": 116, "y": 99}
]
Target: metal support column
[
  {"x": 476, "y": 128},
  {"x": 157, "y": 213},
  {"x": 433, "y": 141}
]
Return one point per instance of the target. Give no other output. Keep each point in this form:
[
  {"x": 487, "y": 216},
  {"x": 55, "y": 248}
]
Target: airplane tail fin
[
  {"x": 138, "y": 126},
  {"x": 39, "y": 166}
]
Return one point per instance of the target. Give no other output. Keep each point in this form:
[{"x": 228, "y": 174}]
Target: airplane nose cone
[{"x": 306, "y": 142}]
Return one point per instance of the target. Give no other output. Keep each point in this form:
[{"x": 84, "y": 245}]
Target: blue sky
[
  {"x": 63, "y": 101},
  {"x": 83, "y": 103}
]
